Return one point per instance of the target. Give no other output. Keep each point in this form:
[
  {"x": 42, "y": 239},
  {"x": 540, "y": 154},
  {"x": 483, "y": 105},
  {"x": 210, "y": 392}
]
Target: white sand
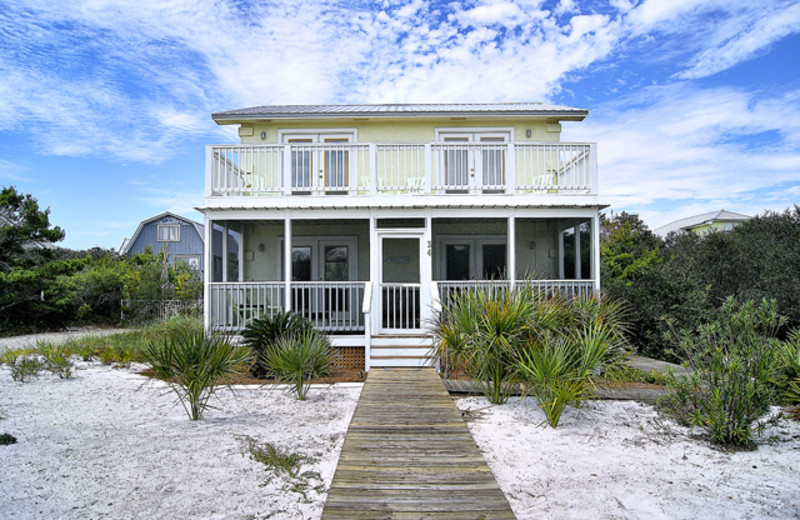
[
  {"x": 104, "y": 446},
  {"x": 618, "y": 459}
]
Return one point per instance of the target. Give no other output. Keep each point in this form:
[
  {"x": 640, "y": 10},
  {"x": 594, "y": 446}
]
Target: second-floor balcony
[{"x": 374, "y": 169}]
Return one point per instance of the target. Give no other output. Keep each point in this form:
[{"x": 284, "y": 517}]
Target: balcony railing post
[
  {"x": 511, "y": 169},
  {"x": 593, "y": 168},
  {"x": 428, "y": 168},
  {"x": 209, "y": 169},
  {"x": 373, "y": 169},
  {"x": 287, "y": 169}
]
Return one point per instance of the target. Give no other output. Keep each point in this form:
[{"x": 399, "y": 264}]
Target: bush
[
  {"x": 6, "y": 439},
  {"x": 479, "y": 331},
  {"x": 558, "y": 369},
  {"x": 194, "y": 366},
  {"x": 262, "y": 333},
  {"x": 500, "y": 337},
  {"x": 296, "y": 359},
  {"x": 788, "y": 369},
  {"x": 732, "y": 384}
]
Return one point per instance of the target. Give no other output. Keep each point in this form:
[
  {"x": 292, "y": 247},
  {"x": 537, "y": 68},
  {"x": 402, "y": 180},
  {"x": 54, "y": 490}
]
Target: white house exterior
[{"x": 362, "y": 217}]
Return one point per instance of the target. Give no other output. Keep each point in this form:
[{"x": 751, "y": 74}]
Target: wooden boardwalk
[{"x": 408, "y": 455}]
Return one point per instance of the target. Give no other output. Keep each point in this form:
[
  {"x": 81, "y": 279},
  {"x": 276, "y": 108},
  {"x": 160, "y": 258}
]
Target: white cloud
[
  {"x": 691, "y": 146},
  {"x": 772, "y": 26}
]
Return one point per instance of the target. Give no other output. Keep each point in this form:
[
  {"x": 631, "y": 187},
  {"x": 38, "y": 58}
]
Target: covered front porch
[{"x": 375, "y": 278}]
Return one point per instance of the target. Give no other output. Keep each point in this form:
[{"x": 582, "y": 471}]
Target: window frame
[{"x": 159, "y": 238}]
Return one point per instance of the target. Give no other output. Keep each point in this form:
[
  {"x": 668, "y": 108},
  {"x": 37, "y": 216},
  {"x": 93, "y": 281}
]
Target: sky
[{"x": 105, "y": 105}]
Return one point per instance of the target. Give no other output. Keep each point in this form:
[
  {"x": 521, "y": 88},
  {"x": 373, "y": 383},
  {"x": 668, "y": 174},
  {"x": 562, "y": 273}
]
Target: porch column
[
  {"x": 596, "y": 250},
  {"x": 371, "y": 320},
  {"x": 240, "y": 277},
  {"x": 577, "y": 232},
  {"x": 225, "y": 252},
  {"x": 426, "y": 272},
  {"x": 287, "y": 262},
  {"x": 208, "y": 275},
  {"x": 512, "y": 252}
]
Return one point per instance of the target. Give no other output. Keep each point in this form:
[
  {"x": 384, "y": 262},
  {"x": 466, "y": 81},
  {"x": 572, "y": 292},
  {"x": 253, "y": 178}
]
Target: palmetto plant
[
  {"x": 298, "y": 358},
  {"x": 194, "y": 366},
  {"x": 262, "y": 333},
  {"x": 480, "y": 330},
  {"x": 557, "y": 368}
]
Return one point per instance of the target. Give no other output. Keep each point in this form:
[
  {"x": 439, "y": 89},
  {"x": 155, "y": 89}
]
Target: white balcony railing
[{"x": 425, "y": 168}]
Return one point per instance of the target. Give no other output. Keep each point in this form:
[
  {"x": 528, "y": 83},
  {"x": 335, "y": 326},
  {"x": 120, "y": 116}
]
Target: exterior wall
[
  {"x": 400, "y": 130},
  {"x": 190, "y": 242}
]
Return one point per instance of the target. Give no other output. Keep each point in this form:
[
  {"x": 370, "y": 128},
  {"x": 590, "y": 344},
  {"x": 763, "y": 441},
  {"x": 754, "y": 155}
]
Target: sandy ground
[
  {"x": 618, "y": 459},
  {"x": 112, "y": 444}
]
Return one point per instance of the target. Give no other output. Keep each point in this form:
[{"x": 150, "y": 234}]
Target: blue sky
[{"x": 105, "y": 105}]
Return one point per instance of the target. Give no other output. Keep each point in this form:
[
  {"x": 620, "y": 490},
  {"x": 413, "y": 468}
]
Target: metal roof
[
  {"x": 697, "y": 220},
  {"x": 400, "y": 110}
]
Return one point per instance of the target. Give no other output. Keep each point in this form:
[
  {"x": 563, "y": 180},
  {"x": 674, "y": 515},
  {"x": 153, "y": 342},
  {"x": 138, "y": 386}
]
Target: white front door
[{"x": 400, "y": 283}]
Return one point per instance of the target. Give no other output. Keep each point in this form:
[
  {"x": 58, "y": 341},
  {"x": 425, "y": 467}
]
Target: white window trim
[
  {"x": 506, "y": 131},
  {"x": 305, "y": 133},
  {"x": 158, "y": 232},
  {"x": 185, "y": 258}
]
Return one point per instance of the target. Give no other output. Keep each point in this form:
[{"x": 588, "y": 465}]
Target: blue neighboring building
[{"x": 184, "y": 240}]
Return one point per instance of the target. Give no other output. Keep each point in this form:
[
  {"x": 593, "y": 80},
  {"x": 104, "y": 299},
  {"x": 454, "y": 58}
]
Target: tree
[{"x": 22, "y": 224}]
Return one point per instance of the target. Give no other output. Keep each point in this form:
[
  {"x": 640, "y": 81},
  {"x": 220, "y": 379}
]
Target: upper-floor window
[{"x": 169, "y": 232}]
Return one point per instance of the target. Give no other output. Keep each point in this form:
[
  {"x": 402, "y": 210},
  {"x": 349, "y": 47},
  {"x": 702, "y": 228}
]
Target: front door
[{"x": 400, "y": 286}]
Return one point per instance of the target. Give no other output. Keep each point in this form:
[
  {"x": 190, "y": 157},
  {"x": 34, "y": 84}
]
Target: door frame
[{"x": 424, "y": 277}]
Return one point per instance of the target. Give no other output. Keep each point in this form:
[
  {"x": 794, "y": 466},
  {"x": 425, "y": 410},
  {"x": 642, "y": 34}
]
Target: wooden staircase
[{"x": 400, "y": 351}]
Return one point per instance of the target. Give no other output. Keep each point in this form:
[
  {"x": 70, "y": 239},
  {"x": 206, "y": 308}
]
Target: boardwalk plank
[{"x": 408, "y": 455}]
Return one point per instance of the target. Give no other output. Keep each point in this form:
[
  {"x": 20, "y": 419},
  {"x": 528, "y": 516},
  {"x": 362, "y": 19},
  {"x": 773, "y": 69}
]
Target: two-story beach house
[{"x": 363, "y": 218}]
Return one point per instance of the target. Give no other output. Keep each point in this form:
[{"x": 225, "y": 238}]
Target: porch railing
[
  {"x": 568, "y": 288},
  {"x": 400, "y": 168},
  {"x": 232, "y": 305},
  {"x": 330, "y": 306}
]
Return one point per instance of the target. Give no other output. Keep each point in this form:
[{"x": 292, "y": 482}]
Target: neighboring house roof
[
  {"x": 400, "y": 110},
  {"x": 688, "y": 223},
  {"x": 126, "y": 244}
]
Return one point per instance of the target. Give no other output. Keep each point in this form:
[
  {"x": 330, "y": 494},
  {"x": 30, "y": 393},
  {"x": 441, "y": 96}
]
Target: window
[
  {"x": 477, "y": 257},
  {"x": 169, "y": 232},
  {"x": 192, "y": 261}
]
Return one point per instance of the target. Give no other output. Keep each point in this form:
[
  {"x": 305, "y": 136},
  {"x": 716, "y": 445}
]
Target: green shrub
[
  {"x": 6, "y": 439},
  {"x": 558, "y": 370},
  {"x": 732, "y": 384},
  {"x": 480, "y": 329},
  {"x": 262, "y": 333},
  {"x": 788, "y": 369},
  {"x": 296, "y": 359},
  {"x": 57, "y": 359},
  {"x": 194, "y": 366}
]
